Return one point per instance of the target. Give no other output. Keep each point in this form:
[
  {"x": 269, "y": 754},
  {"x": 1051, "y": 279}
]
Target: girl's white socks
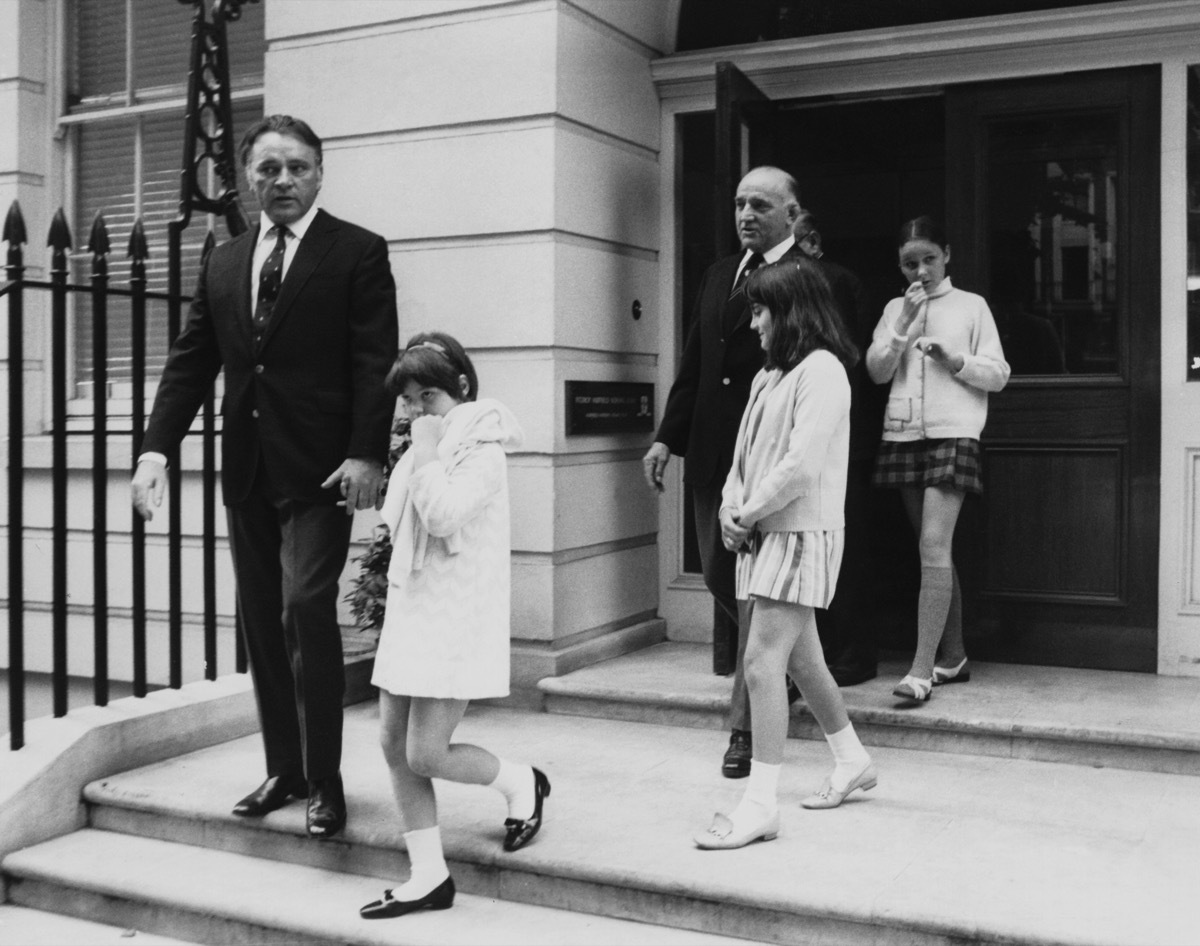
[
  {"x": 428, "y": 864},
  {"x": 515, "y": 782},
  {"x": 760, "y": 800},
  {"x": 849, "y": 757}
]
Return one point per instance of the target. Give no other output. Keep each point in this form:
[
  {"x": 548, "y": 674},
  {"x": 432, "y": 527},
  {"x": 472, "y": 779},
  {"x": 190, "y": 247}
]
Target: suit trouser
[
  {"x": 847, "y": 629},
  {"x": 287, "y": 558},
  {"x": 719, "y": 566}
]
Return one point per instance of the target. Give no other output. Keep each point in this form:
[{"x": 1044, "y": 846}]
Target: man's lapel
[
  {"x": 317, "y": 242},
  {"x": 243, "y": 264}
]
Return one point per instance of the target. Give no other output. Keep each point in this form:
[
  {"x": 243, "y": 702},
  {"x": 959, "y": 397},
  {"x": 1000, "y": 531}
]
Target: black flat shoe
[
  {"x": 736, "y": 763},
  {"x": 274, "y": 793},
  {"x": 440, "y": 897},
  {"x": 521, "y": 831},
  {"x": 326, "y": 807}
]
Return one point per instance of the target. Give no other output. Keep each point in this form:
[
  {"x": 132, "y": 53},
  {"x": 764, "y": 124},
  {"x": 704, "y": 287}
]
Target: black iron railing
[
  {"x": 16, "y": 292},
  {"x": 208, "y": 142}
]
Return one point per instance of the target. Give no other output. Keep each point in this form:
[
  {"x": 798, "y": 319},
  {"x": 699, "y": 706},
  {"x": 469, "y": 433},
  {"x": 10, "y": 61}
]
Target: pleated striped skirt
[{"x": 794, "y": 567}]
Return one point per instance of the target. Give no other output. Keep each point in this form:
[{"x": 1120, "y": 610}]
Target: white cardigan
[
  {"x": 927, "y": 401},
  {"x": 792, "y": 476}
]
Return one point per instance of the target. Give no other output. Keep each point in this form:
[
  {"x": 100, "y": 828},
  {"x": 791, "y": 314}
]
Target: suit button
[
  {"x": 259, "y": 369},
  {"x": 254, "y": 413},
  {"x": 724, "y": 380}
]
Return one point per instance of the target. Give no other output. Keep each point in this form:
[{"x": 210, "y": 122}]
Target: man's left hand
[{"x": 361, "y": 483}]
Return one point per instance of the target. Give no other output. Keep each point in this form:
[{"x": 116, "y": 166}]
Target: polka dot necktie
[{"x": 269, "y": 280}]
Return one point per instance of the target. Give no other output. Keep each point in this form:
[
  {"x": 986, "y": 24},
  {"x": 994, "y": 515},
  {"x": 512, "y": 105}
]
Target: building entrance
[{"x": 1049, "y": 191}]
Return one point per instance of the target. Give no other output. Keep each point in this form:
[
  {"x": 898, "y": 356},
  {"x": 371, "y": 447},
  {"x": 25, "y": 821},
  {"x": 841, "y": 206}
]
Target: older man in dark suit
[
  {"x": 700, "y": 422},
  {"x": 301, "y": 314}
]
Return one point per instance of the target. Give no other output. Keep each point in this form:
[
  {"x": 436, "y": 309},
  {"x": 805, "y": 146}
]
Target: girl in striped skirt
[
  {"x": 939, "y": 348},
  {"x": 782, "y": 511}
]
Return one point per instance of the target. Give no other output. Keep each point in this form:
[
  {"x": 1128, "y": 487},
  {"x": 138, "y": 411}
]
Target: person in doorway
[
  {"x": 720, "y": 359},
  {"x": 939, "y": 348},
  {"x": 782, "y": 512},
  {"x": 300, "y": 312},
  {"x": 445, "y": 637},
  {"x": 847, "y": 627}
]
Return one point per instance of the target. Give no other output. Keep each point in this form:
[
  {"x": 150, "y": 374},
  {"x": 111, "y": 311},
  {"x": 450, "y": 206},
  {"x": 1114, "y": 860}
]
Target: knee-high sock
[
  {"x": 952, "y": 649},
  {"x": 933, "y": 606}
]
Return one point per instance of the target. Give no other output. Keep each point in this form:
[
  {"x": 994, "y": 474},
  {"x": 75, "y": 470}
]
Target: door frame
[{"x": 880, "y": 64}]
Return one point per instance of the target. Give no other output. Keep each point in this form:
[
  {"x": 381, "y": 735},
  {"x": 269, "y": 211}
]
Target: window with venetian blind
[{"x": 128, "y": 72}]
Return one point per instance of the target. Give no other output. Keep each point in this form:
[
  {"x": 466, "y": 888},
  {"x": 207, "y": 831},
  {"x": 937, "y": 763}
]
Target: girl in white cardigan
[
  {"x": 939, "y": 348},
  {"x": 782, "y": 511},
  {"x": 445, "y": 637}
]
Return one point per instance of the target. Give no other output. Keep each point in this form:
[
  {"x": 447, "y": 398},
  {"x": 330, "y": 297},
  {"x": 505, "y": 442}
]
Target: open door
[
  {"x": 1053, "y": 216},
  {"x": 744, "y": 139}
]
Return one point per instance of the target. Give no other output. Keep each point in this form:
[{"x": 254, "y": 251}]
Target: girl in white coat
[
  {"x": 939, "y": 348},
  {"x": 782, "y": 510},
  {"x": 445, "y": 637}
]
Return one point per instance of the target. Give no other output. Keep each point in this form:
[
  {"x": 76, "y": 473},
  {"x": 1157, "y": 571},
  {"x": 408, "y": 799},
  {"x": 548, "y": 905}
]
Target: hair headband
[{"x": 428, "y": 344}]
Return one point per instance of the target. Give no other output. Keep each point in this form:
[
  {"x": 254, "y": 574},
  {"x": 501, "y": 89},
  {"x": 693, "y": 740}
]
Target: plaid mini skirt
[
  {"x": 946, "y": 462},
  {"x": 794, "y": 567}
]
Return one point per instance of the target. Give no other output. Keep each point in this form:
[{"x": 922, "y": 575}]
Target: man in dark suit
[
  {"x": 300, "y": 312},
  {"x": 700, "y": 422},
  {"x": 846, "y": 628}
]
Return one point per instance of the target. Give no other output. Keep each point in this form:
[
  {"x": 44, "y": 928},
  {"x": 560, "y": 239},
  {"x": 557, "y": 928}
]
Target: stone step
[
  {"x": 1082, "y": 717},
  {"x": 948, "y": 848},
  {"x": 26, "y": 927},
  {"x": 214, "y": 896}
]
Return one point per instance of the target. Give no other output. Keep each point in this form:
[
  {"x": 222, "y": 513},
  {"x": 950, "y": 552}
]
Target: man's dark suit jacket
[
  {"x": 704, "y": 408},
  {"x": 311, "y": 393}
]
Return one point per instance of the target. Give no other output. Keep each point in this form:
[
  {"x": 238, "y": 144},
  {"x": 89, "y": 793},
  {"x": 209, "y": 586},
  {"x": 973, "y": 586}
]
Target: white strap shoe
[{"x": 913, "y": 688}]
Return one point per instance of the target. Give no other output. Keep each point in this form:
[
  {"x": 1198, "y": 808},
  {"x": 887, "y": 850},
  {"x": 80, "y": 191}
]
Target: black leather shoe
[
  {"x": 440, "y": 897},
  {"x": 520, "y": 831},
  {"x": 326, "y": 807},
  {"x": 736, "y": 763},
  {"x": 846, "y": 673},
  {"x": 274, "y": 793}
]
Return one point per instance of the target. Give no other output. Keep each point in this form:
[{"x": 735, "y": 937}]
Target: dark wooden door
[{"x": 1053, "y": 215}]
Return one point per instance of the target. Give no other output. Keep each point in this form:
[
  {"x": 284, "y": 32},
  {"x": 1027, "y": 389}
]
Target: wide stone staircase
[{"x": 1032, "y": 805}]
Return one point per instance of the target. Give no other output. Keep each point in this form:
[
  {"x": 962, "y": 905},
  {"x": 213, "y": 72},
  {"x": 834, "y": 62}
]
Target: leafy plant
[{"x": 367, "y": 596}]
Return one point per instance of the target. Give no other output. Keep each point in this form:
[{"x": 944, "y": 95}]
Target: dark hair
[
  {"x": 808, "y": 220},
  {"x": 433, "y": 360},
  {"x": 922, "y": 228},
  {"x": 804, "y": 316},
  {"x": 284, "y": 125}
]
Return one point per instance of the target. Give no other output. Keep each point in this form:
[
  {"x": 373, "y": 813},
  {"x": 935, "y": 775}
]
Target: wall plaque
[{"x": 610, "y": 407}]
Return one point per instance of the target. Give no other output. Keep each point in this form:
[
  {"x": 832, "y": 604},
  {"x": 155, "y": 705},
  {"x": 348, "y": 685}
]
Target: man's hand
[
  {"x": 149, "y": 481},
  {"x": 654, "y": 465},
  {"x": 361, "y": 483}
]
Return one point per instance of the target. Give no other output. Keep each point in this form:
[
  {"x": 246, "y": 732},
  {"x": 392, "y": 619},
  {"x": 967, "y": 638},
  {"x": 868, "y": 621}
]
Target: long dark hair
[
  {"x": 804, "y": 316},
  {"x": 433, "y": 360},
  {"x": 922, "y": 228}
]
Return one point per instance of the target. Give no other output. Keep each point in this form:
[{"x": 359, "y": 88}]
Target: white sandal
[
  {"x": 914, "y": 688},
  {"x": 959, "y": 674}
]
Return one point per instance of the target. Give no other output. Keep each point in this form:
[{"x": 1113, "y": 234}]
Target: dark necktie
[
  {"x": 269, "y": 280},
  {"x": 735, "y": 305},
  {"x": 755, "y": 261}
]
